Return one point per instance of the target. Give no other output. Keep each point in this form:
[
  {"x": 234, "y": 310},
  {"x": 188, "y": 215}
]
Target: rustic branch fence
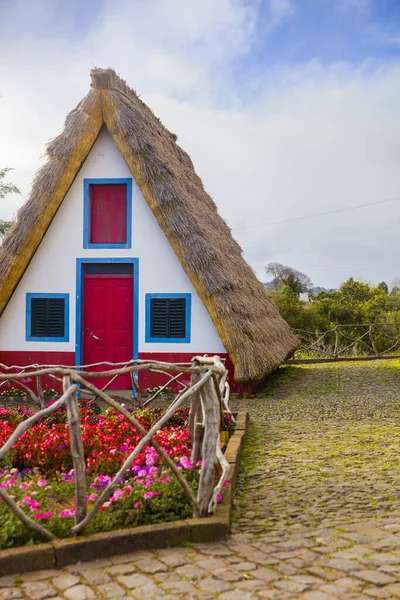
[
  {"x": 208, "y": 393},
  {"x": 349, "y": 342}
]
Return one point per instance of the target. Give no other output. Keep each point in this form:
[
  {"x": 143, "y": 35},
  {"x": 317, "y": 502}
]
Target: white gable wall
[{"x": 53, "y": 268}]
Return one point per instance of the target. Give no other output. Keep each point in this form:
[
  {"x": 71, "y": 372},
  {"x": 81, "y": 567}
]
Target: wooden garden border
[
  {"x": 146, "y": 537},
  {"x": 208, "y": 392}
]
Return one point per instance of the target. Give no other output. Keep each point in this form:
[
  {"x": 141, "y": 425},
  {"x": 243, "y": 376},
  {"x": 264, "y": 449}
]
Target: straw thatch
[{"x": 257, "y": 338}]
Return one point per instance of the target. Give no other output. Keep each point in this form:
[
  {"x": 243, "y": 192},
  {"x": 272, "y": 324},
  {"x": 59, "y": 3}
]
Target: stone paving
[{"x": 317, "y": 512}]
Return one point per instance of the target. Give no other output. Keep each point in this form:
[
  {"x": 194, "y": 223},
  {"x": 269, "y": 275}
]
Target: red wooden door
[{"x": 108, "y": 323}]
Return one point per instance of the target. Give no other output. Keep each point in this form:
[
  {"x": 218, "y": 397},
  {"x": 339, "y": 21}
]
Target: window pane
[
  {"x": 168, "y": 318},
  {"x": 39, "y": 317},
  {"x": 177, "y": 321},
  {"x": 55, "y": 327},
  {"x": 108, "y": 214},
  {"x": 47, "y": 317},
  {"x": 159, "y": 318}
]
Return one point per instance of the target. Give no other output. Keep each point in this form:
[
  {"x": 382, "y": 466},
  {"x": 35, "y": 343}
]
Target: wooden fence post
[
  {"x": 212, "y": 427},
  {"x": 336, "y": 342},
  {"x": 78, "y": 453},
  {"x": 40, "y": 392}
]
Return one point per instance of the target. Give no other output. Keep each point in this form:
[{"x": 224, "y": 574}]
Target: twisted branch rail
[
  {"x": 322, "y": 346},
  {"x": 209, "y": 388}
]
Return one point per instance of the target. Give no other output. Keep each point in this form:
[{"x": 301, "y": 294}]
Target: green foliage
[
  {"x": 296, "y": 313},
  {"x": 384, "y": 286},
  {"x": 353, "y": 306},
  {"x": 170, "y": 505},
  {"x": 4, "y": 226},
  {"x": 6, "y": 188}
]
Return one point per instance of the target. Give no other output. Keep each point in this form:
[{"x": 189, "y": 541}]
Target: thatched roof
[{"x": 253, "y": 332}]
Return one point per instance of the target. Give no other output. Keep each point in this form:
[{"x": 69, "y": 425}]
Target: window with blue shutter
[
  {"x": 47, "y": 317},
  {"x": 168, "y": 318}
]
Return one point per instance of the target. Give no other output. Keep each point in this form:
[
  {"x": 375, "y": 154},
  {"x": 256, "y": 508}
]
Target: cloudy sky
[{"x": 288, "y": 108}]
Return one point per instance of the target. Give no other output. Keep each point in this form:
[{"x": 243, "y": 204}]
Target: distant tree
[
  {"x": 297, "y": 281},
  {"x": 283, "y": 275},
  {"x": 6, "y": 188},
  {"x": 353, "y": 291},
  {"x": 383, "y": 286},
  {"x": 275, "y": 271},
  {"x": 395, "y": 283}
]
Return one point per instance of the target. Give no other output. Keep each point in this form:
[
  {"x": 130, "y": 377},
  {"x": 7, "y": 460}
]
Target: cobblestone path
[{"x": 317, "y": 513}]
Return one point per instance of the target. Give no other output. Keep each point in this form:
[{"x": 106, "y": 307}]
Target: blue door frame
[{"x": 79, "y": 287}]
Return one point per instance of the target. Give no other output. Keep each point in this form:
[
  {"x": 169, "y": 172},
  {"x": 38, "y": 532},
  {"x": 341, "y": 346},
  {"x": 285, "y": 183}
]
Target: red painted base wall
[
  {"x": 146, "y": 379},
  {"x": 23, "y": 359}
]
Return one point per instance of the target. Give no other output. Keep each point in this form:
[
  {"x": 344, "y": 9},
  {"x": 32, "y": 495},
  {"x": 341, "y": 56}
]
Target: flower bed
[{"x": 38, "y": 472}]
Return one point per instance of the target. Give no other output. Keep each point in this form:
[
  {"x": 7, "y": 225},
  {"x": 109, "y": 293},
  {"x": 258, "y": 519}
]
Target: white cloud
[
  {"x": 280, "y": 9},
  {"x": 294, "y": 141}
]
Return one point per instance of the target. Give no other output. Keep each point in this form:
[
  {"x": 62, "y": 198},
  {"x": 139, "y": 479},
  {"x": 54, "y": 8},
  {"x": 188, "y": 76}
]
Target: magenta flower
[
  {"x": 186, "y": 462},
  {"x": 148, "y": 495},
  {"x": 33, "y": 505},
  {"x": 118, "y": 494},
  {"x": 67, "y": 513}
]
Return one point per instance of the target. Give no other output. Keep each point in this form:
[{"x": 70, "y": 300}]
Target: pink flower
[
  {"x": 67, "y": 513},
  {"x": 137, "y": 504},
  {"x": 33, "y": 505},
  {"x": 118, "y": 494},
  {"x": 148, "y": 495},
  {"x": 219, "y": 497},
  {"x": 23, "y": 486},
  {"x": 92, "y": 497},
  {"x": 165, "y": 479},
  {"x": 7, "y": 484},
  {"x": 225, "y": 484},
  {"x": 186, "y": 462},
  {"x": 46, "y": 515},
  {"x": 42, "y": 483},
  {"x": 151, "y": 456}
]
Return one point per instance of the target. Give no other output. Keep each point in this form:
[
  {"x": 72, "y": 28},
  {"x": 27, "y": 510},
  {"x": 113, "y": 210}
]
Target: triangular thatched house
[{"x": 119, "y": 253}]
